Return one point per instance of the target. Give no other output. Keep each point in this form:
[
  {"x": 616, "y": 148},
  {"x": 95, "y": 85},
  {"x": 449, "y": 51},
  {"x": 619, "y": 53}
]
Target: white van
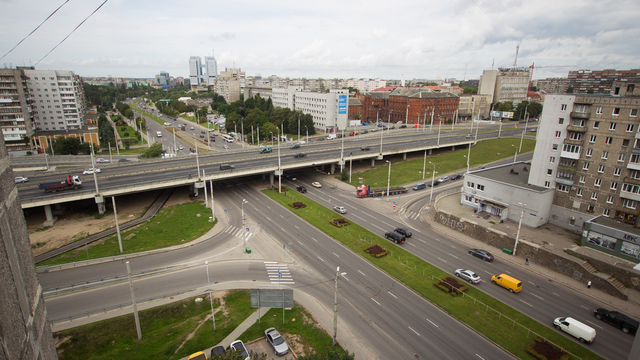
[
  {"x": 331, "y": 136},
  {"x": 575, "y": 328},
  {"x": 159, "y": 134}
]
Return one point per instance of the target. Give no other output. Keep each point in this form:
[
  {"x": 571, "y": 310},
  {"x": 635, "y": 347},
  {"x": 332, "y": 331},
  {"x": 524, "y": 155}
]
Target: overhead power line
[
  {"x": 34, "y": 30},
  {"x": 72, "y": 31}
]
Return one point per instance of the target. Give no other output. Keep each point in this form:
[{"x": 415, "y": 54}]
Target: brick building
[
  {"x": 414, "y": 105},
  {"x": 600, "y": 81}
]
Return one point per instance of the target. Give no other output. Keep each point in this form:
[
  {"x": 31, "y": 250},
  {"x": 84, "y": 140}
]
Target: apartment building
[
  {"x": 229, "y": 84},
  {"x": 211, "y": 66},
  {"x": 600, "y": 82},
  {"x": 16, "y": 115},
  {"x": 365, "y": 84},
  {"x": 328, "y": 109},
  {"x": 551, "y": 85},
  {"x": 588, "y": 149},
  {"x": 58, "y": 99},
  {"x": 474, "y": 106},
  {"x": 505, "y": 84}
]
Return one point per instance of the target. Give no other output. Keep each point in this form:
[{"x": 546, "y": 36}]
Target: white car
[
  {"x": 468, "y": 275},
  {"x": 340, "y": 209},
  {"x": 21, "y": 179},
  {"x": 443, "y": 179},
  {"x": 91, "y": 171},
  {"x": 102, "y": 161},
  {"x": 316, "y": 184},
  {"x": 180, "y": 147},
  {"x": 238, "y": 346}
]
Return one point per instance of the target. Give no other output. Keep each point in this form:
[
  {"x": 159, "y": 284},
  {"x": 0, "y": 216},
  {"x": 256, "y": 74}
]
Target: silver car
[
  {"x": 468, "y": 275},
  {"x": 276, "y": 341}
]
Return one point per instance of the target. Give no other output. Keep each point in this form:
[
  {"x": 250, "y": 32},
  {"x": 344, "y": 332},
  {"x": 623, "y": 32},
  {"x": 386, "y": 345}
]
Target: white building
[
  {"x": 211, "y": 66},
  {"x": 505, "y": 84},
  {"x": 366, "y": 84},
  {"x": 58, "y": 99},
  {"x": 329, "y": 110},
  {"x": 195, "y": 70}
]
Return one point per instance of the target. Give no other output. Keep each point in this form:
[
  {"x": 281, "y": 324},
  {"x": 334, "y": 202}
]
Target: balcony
[
  {"x": 630, "y": 180},
  {"x": 573, "y": 142},
  {"x": 572, "y": 155},
  {"x": 626, "y": 210},
  {"x": 579, "y": 129},
  {"x": 577, "y": 115},
  {"x": 564, "y": 181},
  {"x": 567, "y": 168},
  {"x": 633, "y": 166}
]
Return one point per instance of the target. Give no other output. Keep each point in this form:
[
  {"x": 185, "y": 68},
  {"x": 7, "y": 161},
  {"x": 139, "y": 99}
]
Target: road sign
[
  {"x": 394, "y": 203},
  {"x": 247, "y": 229},
  {"x": 225, "y": 210}
]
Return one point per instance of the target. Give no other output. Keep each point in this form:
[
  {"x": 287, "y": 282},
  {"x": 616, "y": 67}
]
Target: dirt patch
[{"x": 296, "y": 344}]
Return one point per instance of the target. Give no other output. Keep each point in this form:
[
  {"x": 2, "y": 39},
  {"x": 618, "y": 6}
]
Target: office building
[
  {"x": 551, "y": 85},
  {"x": 365, "y": 84},
  {"x": 211, "y": 66},
  {"x": 195, "y": 71},
  {"x": 328, "y": 109},
  {"x": 474, "y": 106},
  {"x": 505, "y": 84},
  {"x": 58, "y": 99},
  {"x": 600, "y": 82},
  {"x": 163, "y": 79},
  {"x": 16, "y": 114}
]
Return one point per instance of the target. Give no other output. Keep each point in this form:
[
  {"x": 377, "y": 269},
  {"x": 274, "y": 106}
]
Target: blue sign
[{"x": 342, "y": 104}]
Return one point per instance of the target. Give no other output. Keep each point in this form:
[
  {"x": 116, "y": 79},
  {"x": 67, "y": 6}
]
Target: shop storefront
[{"x": 613, "y": 237}]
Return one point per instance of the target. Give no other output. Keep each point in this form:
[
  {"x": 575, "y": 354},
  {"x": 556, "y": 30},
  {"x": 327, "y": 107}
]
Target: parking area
[{"x": 261, "y": 346}]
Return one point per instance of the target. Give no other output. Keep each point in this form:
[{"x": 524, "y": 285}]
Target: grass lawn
[
  {"x": 164, "y": 329},
  {"x": 478, "y": 310},
  {"x": 409, "y": 171},
  {"x": 127, "y": 129},
  {"x": 174, "y": 225},
  {"x": 152, "y": 117}
]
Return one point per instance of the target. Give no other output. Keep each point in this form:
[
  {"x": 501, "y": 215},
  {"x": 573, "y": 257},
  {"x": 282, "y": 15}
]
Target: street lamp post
[
  {"x": 342, "y": 154},
  {"x": 271, "y": 132},
  {"x": 335, "y": 305},
  {"x": 406, "y": 119},
  {"x": 388, "y": 179},
  {"x": 433, "y": 179},
  {"x": 242, "y": 207},
  {"x": 279, "y": 165},
  {"x": 424, "y": 166},
  {"x": 515, "y": 156},
  {"x": 350, "y": 163},
  {"x": 242, "y": 129},
  {"x": 210, "y": 298},
  {"x": 515, "y": 246},
  {"x": 306, "y": 127}
]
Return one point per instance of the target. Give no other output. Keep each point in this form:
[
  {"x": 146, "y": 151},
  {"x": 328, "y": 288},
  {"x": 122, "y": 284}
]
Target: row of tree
[{"x": 534, "y": 109}]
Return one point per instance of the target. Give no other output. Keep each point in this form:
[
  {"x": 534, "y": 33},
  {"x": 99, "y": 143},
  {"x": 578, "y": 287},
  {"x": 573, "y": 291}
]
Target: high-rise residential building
[
  {"x": 58, "y": 99},
  {"x": 195, "y": 70},
  {"x": 211, "y": 66},
  {"x": 588, "y": 149},
  {"x": 26, "y": 332},
  {"x": 365, "y": 84},
  {"x": 16, "y": 114},
  {"x": 328, "y": 109},
  {"x": 505, "y": 84},
  {"x": 229, "y": 84},
  {"x": 600, "y": 82},
  {"x": 551, "y": 85}
]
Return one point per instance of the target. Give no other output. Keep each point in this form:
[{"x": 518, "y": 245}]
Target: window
[
  {"x": 617, "y": 172},
  {"x": 575, "y": 136},
  {"x": 561, "y": 121},
  {"x": 592, "y": 139},
  {"x": 634, "y": 189},
  {"x": 605, "y": 155},
  {"x": 594, "y": 196},
  {"x": 606, "y": 212},
  {"x": 613, "y": 186},
  {"x": 583, "y": 179},
  {"x": 633, "y": 113},
  {"x": 597, "y": 182},
  {"x": 621, "y": 157},
  {"x": 579, "y": 192},
  {"x": 635, "y": 174},
  {"x": 563, "y": 107},
  {"x": 547, "y": 184},
  {"x": 578, "y": 123},
  {"x": 591, "y": 208},
  {"x": 625, "y": 142},
  {"x": 616, "y": 112},
  {"x": 582, "y": 109},
  {"x": 589, "y": 152},
  {"x": 563, "y": 188},
  {"x": 555, "y": 147},
  {"x": 480, "y": 187},
  {"x": 585, "y": 166},
  {"x": 552, "y": 159},
  {"x": 470, "y": 184},
  {"x": 630, "y": 127},
  {"x": 630, "y": 204},
  {"x": 608, "y": 140},
  {"x": 613, "y": 126},
  {"x": 610, "y": 199},
  {"x": 549, "y": 171},
  {"x": 596, "y": 124},
  {"x": 558, "y": 133}
]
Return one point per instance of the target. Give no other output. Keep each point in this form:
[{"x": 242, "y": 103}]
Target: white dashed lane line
[
  {"x": 390, "y": 293},
  {"x": 537, "y": 296},
  {"x": 432, "y": 323},
  {"x": 320, "y": 259},
  {"x": 361, "y": 273},
  {"x": 336, "y": 254},
  {"x": 414, "y": 331},
  {"x": 526, "y": 303},
  {"x": 374, "y": 300}
]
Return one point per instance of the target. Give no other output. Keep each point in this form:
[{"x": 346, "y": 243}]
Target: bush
[{"x": 542, "y": 350}]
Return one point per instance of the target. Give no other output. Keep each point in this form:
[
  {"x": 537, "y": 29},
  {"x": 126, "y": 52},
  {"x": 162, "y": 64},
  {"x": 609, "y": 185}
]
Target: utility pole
[
  {"x": 133, "y": 301},
  {"x": 335, "y": 306}
]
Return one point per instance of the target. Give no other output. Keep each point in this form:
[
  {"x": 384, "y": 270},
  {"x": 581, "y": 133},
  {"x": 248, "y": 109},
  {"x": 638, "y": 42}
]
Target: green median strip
[{"x": 500, "y": 323}]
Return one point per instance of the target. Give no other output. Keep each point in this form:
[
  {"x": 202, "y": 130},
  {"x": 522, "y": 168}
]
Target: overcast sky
[{"x": 328, "y": 39}]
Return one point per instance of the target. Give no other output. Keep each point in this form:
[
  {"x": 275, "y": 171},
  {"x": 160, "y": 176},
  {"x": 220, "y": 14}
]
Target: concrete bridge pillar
[
  {"x": 373, "y": 162},
  {"x": 271, "y": 178},
  {"x": 430, "y": 151},
  {"x": 50, "y": 219},
  {"x": 453, "y": 148},
  {"x": 333, "y": 168},
  {"x": 404, "y": 156},
  {"x": 100, "y": 202}
]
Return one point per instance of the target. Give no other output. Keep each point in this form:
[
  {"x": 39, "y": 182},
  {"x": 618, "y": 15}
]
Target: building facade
[
  {"x": 551, "y": 85},
  {"x": 163, "y": 79},
  {"x": 212, "y": 69},
  {"x": 58, "y": 99},
  {"x": 16, "y": 113},
  {"x": 505, "y": 84},
  {"x": 328, "y": 109},
  {"x": 474, "y": 106},
  {"x": 365, "y": 84},
  {"x": 421, "y": 106},
  {"x": 229, "y": 84},
  {"x": 195, "y": 71},
  {"x": 600, "y": 82}
]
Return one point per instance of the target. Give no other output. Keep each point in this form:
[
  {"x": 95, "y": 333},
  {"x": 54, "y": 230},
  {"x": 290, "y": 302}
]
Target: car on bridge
[
  {"x": 299, "y": 155},
  {"x": 102, "y": 161},
  {"x": 21, "y": 179},
  {"x": 91, "y": 171},
  {"x": 419, "y": 186},
  {"x": 340, "y": 209},
  {"x": 482, "y": 254},
  {"x": 295, "y": 146},
  {"x": 455, "y": 177},
  {"x": 265, "y": 150},
  {"x": 365, "y": 148}
]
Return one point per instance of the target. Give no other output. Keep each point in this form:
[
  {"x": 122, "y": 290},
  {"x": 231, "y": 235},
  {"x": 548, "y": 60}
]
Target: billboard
[
  {"x": 507, "y": 115},
  {"x": 495, "y": 114},
  {"x": 342, "y": 104}
]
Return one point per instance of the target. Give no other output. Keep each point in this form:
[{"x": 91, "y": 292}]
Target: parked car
[
  {"x": 482, "y": 254},
  {"x": 276, "y": 341},
  {"x": 202, "y": 132},
  {"x": 301, "y": 189},
  {"x": 619, "y": 320},
  {"x": 91, "y": 171},
  {"x": 468, "y": 275},
  {"x": 316, "y": 184},
  {"x": 404, "y": 231},
  {"x": 299, "y": 155},
  {"x": 364, "y": 132},
  {"x": 102, "y": 161},
  {"x": 365, "y": 148},
  {"x": 392, "y": 127},
  {"x": 443, "y": 179},
  {"x": 533, "y": 130},
  {"x": 218, "y": 350},
  {"x": 374, "y": 129},
  {"x": 353, "y": 133},
  {"x": 395, "y": 237},
  {"x": 295, "y": 146},
  {"x": 470, "y": 136},
  {"x": 419, "y": 186},
  {"x": 238, "y": 346},
  {"x": 124, "y": 160},
  {"x": 340, "y": 209},
  {"x": 21, "y": 179},
  {"x": 201, "y": 135},
  {"x": 575, "y": 328},
  {"x": 455, "y": 177},
  {"x": 198, "y": 356}
]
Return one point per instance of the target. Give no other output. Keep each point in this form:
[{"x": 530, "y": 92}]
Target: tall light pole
[
  {"x": 342, "y": 154},
  {"x": 515, "y": 156},
  {"x": 388, "y": 179},
  {"x": 306, "y": 127},
  {"x": 381, "y": 132},
  {"x": 350, "y": 163},
  {"x": 279, "y": 166},
  {"x": 298, "y": 127},
  {"x": 468, "y": 157},
  {"x": 515, "y": 246},
  {"x": 271, "y": 132},
  {"x": 335, "y": 305},
  {"x": 242, "y": 207},
  {"x": 406, "y": 120},
  {"x": 242, "y": 129},
  {"x": 424, "y": 166},
  {"x": 439, "y": 127},
  {"x": 433, "y": 179},
  {"x": 210, "y": 298},
  {"x": 377, "y": 117}
]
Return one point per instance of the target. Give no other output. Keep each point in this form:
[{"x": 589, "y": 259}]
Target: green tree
[
  {"x": 154, "y": 151},
  {"x": 570, "y": 90},
  {"x": 470, "y": 89},
  {"x": 66, "y": 146},
  {"x": 505, "y": 106},
  {"x": 267, "y": 130},
  {"x": 357, "y": 117}
]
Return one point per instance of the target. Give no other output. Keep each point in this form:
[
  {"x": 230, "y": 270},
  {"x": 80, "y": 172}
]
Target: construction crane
[{"x": 540, "y": 67}]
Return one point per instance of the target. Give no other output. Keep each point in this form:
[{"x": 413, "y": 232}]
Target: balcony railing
[
  {"x": 580, "y": 129},
  {"x": 573, "y": 142},
  {"x": 578, "y": 115}
]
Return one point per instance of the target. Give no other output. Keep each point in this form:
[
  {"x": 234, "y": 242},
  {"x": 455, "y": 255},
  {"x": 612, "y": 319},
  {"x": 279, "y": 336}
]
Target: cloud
[{"x": 223, "y": 36}]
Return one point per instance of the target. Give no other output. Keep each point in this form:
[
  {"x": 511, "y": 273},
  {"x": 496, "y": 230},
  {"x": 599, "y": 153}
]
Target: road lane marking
[
  {"x": 422, "y": 241},
  {"x": 507, "y": 271},
  {"x": 594, "y": 324},
  {"x": 390, "y": 293},
  {"x": 282, "y": 230},
  {"x": 411, "y": 244},
  {"x": 345, "y": 278},
  {"x": 584, "y": 307},
  {"x": 453, "y": 255},
  {"x": 414, "y": 331},
  {"x": 531, "y": 283},
  {"x": 526, "y": 303},
  {"x": 297, "y": 227},
  {"x": 314, "y": 239},
  {"x": 320, "y": 258},
  {"x": 336, "y": 254},
  {"x": 442, "y": 260},
  {"x": 357, "y": 217},
  {"x": 249, "y": 236},
  {"x": 270, "y": 262},
  {"x": 282, "y": 216},
  {"x": 480, "y": 356},
  {"x": 300, "y": 242},
  {"x": 453, "y": 246},
  {"x": 436, "y": 239},
  {"x": 432, "y": 323},
  {"x": 537, "y": 296},
  {"x": 374, "y": 300},
  {"x": 555, "y": 294},
  {"x": 268, "y": 218},
  {"x": 269, "y": 207},
  {"x": 361, "y": 273},
  {"x": 488, "y": 273}
]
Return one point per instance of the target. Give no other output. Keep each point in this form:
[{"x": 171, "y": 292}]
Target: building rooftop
[
  {"x": 354, "y": 102},
  {"x": 615, "y": 224},
  {"x": 512, "y": 174}
]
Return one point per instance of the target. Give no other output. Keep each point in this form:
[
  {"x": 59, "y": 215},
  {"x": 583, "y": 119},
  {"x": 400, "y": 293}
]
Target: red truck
[
  {"x": 366, "y": 191},
  {"x": 71, "y": 182}
]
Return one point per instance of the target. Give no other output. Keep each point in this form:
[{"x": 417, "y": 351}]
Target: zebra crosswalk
[
  {"x": 412, "y": 215},
  {"x": 278, "y": 273},
  {"x": 238, "y": 232}
]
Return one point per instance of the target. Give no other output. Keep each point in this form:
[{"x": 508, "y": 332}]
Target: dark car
[
  {"x": 365, "y": 148},
  {"x": 301, "y": 189},
  {"x": 392, "y": 127},
  {"x": 455, "y": 177},
  {"x": 433, "y": 183},
  {"x": 395, "y": 237},
  {"x": 364, "y": 132},
  {"x": 403, "y": 231},
  {"x": 403, "y": 126},
  {"x": 482, "y": 254},
  {"x": 619, "y": 320},
  {"x": 124, "y": 160},
  {"x": 218, "y": 350},
  {"x": 299, "y": 155}
]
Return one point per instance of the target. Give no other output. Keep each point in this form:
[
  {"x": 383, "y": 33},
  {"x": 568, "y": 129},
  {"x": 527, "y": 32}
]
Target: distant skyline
[{"x": 330, "y": 39}]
